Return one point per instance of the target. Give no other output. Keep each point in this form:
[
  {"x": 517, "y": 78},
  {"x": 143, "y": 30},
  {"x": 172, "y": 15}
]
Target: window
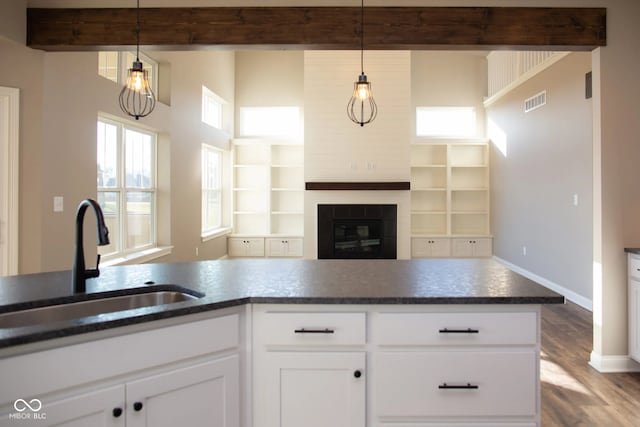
[
  {"x": 127, "y": 186},
  {"x": 445, "y": 121},
  {"x": 212, "y": 108},
  {"x": 270, "y": 121},
  {"x": 211, "y": 189},
  {"x": 114, "y": 66}
]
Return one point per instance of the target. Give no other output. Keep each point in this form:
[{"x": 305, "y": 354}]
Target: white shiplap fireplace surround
[{"x": 337, "y": 150}]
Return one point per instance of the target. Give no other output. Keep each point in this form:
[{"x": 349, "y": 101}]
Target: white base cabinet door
[
  {"x": 634, "y": 319},
  {"x": 312, "y": 389},
  {"x": 430, "y": 247},
  {"x": 283, "y": 247},
  {"x": 472, "y": 247},
  {"x": 201, "y": 395},
  {"x": 100, "y": 408}
]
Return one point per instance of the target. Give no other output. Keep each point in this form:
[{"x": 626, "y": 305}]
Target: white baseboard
[
  {"x": 611, "y": 364},
  {"x": 567, "y": 293}
]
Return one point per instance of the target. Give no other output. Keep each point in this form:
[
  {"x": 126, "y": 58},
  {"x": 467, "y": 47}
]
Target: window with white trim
[
  {"x": 114, "y": 66},
  {"x": 127, "y": 186},
  {"x": 270, "y": 121},
  {"x": 446, "y": 121},
  {"x": 211, "y": 189},
  {"x": 212, "y": 108}
]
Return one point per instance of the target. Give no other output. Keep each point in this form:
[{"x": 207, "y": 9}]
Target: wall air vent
[{"x": 535, "y": 102}]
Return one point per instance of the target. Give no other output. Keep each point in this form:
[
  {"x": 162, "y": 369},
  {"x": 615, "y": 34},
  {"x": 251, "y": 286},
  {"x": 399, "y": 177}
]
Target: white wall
[{"x": 337, "y": 149}]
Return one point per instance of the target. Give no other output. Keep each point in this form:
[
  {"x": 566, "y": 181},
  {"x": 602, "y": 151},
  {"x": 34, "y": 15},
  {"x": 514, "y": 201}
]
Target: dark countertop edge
[
  {"x": 635, "y": 251},
  {"x": 77, "y": 329}
]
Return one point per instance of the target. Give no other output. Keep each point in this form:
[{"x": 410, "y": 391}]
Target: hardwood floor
[{"x": 573, "y": 393}]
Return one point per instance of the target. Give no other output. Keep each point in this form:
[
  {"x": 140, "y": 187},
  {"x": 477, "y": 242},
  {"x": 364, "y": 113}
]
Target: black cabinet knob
[
  {"x": 137, "y": 406},
  {"x": 117, "y": 412},
  {"x": 357, "y": 374}
]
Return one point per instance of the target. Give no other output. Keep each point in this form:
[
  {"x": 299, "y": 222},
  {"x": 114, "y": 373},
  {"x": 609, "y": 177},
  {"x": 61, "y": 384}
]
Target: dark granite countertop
[
  {"x": 635, "y": 251},
  {"x": 229, "y": 283}
]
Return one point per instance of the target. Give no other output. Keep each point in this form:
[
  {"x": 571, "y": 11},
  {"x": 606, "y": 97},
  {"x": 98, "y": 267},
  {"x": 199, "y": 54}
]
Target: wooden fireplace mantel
[{"x": 384, "y": 186}]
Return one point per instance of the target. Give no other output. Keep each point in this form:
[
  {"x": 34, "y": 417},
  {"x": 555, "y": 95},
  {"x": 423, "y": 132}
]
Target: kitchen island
[{"x": 387, "y": 342}]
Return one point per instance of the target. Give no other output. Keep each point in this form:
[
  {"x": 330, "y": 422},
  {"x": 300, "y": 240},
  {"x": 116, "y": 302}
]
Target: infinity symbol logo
[{"x": 22, "y": 405}]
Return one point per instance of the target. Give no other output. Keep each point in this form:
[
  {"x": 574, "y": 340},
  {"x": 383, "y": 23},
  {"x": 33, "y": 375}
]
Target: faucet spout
[{"x": 80, "y": 274}]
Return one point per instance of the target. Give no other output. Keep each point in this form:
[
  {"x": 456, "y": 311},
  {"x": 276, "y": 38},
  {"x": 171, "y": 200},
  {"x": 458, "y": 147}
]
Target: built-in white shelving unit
[
  {"x": 450, "y": 197},
  {"x": 268, "y": 190}
]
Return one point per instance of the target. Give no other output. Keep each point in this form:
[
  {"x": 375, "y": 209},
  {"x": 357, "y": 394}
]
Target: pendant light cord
[
  {"x": 138, "y": 31},
  {"x": 361, "y": 37}
]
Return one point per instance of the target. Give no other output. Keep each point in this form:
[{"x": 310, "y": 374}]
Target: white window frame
[
  {"x": 430, "y": 120},
  {"x": 214, "y": 231},
  {"x": 212, "y": 108},
  {"x": 122, "y": 189}
]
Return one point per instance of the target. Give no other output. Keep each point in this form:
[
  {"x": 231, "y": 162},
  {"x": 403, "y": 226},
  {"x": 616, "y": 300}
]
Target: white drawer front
[
  {"x": 634, "y": 266},
  {"x": 456, "y": 328},
  {"x": 455, "y": 424},
  {"x": 310, "y": 328},
  {"x": 415, "y": 384}
]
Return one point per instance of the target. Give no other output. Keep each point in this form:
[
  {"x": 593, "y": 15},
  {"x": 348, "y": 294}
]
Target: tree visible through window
[
  {"x": 211, "y": 188},
  {"x": 127, "y": 186}
]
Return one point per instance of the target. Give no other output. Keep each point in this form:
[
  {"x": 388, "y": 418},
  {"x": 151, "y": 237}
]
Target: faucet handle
[{"x": 93, "y": 272}]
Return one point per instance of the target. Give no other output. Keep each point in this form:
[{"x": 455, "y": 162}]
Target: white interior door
[{"x": 9, "y": 123}]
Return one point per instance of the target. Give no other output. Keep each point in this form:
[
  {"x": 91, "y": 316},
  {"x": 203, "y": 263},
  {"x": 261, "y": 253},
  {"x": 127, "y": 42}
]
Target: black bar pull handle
[
  {"x": 459, "y": 331},
  {"x": 467, "y": 386},
  {"x": 314, "y": 331}
]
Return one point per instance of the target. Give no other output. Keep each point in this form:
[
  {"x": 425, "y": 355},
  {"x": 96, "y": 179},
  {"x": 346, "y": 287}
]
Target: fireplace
[{"x": 357, "y": 231}]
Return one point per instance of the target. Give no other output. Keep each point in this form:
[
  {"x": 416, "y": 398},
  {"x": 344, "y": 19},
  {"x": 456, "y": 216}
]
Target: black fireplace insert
[{"x": 357, "y": 231}]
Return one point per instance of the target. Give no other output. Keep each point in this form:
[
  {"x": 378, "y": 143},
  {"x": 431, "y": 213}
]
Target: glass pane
[
  {"x": 445, "y": 121},
  {"x": 107, "y": 155},
  {"x": 211, "y": 210},
  {"x": 110, "y": 203},
  {"x": 139, "y": 155},
  {"x": 140, "y": 208},
  {"x": 270, "y": 121},
  {"x": 108, "y": 65}
]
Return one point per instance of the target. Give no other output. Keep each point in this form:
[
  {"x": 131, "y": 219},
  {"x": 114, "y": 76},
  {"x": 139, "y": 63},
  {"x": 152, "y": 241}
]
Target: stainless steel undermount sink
[{"x": 97, "y": 303}]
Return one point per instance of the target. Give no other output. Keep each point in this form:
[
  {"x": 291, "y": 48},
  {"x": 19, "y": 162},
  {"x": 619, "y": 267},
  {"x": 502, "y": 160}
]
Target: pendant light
[
  {"x": 136, "y": 97},
  {"x": 362, "y": 108}
]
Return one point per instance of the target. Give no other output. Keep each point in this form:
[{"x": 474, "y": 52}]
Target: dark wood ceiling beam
[{"x": 415, "y": 28}]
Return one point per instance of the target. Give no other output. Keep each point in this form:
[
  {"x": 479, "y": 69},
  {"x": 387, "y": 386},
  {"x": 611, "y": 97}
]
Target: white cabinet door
[
  {"x": 284, "y": 247},
  {"x": 428, "y": 247},
  {"x": 312, "y": 389},
  {"x": 245, "y": 247},
  {"x": 207, "y": 394},
  {"x": 634, "y": 319},
  {"x": 101, "y": 408},
  {"x": 472, "y": 247},
  {"x": 456, "y": 384}
]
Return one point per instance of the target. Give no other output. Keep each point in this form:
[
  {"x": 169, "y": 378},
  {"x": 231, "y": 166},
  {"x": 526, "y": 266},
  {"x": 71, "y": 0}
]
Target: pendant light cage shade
[
  {"x": 362, "y": 108},
  {"x": 136, "y": 97}
]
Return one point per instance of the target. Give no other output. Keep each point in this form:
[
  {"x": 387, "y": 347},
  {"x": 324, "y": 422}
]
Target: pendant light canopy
[
  {"x": 136, "y": 97},
  {"x": 362, "y": 108}
]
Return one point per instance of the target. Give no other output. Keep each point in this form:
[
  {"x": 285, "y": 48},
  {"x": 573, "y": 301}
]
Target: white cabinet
[
  {"x": 202, "y": 394},
  {"x": 633, "y": 261},
  {"x": 268, "y": 187},
  {"x": 245, "y": 247},
  {"x": 475, "y": 368},
  {"x": 449, "y": 190},
  {"x": 395, "y": 366},
  {"x": 472, "y": 247},
  {"x": 430, "y": 247},
  {"x": 312, "y": 389},
  {"x": 104, "y": 407},
  {"x": 309, "y": 368},
  {"x": 182, "y": 374},
  {"x": 283, "y": 247}
]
